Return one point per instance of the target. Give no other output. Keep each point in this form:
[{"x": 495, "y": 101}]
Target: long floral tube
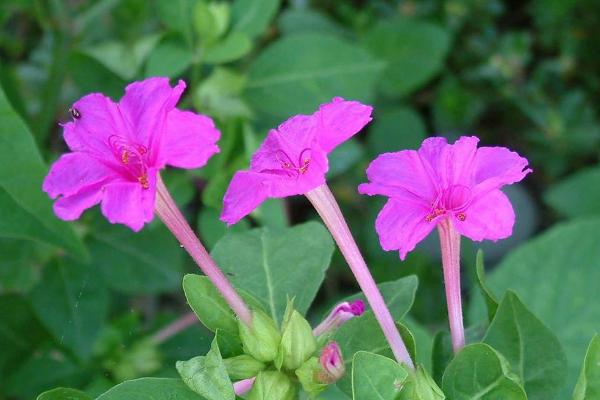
[
  {"x": 450, "y": 244},
  {"x": 324, "y": 202},
  {"x": 175, "y": 327},
  {"x": 169, "y": 213}
]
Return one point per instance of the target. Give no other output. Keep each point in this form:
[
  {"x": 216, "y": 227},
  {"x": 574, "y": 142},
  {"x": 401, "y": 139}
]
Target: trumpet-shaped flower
[
  {"x": 293, "y": 158},
  {"x": 117, "y": 150},
  {"x": 439, "y": 182}
]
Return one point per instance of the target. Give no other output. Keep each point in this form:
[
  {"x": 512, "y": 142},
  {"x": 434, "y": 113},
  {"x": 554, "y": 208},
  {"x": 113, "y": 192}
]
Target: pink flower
[
  {"x": 441, "y": 181},
  {"x": 293, "y": 158},
  {"x": 340, "y": 315},
  {"x": 118, "y": 149},
  {"x": 332, "y": 363}
]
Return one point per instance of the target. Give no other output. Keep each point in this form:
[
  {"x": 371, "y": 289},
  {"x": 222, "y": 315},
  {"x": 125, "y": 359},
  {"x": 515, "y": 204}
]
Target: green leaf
[
  {"x": 150, "y": 388},
  {"x": 344, "y": 156},
  {"x": 123, "y": 59},
  {"x": 556, "y": 275},
  {"x": 177, "y": 15},
  {"x": 396, "y": 129},
  {"x": 414, "y": 52},
  {"x": 207, "y": 375},
  {"x": 479, "y": 372},
  {"x": 208, "y": 304},
  {"x": 64, "y": 394},
  {"x": 298, "y": 72},
  {"x": 252, "y": 17},
  {"x": 586, "y": 185},
  {"x": 171, "y": 57},
  {"x": 533, "y": 351},
  {"x": 72, "y": 302},
  {"x": 19, "y": 333},
  {"x": 455, "y": 108},
  {"x": 588, "y": 385},
  {"x": 235, "y": 46},
  {"x": 43, "y": 371},
  {"x": 272, "y": 264},
  {"x": 409, "y": 340},
  {"x": 364, "y": 334},
  {"x": 212, "y": 229},
  {"x": 490, "y": 299},
  {"x": 149, "y": 261},
  {"x": 297, "y": 20},
  {"x": 19, "y": 265},
  {"x": 26, "y": 210},
  {"x": 376, "y": 377}
]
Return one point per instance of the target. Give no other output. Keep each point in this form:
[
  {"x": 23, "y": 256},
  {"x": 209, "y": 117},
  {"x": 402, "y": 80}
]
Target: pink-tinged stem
[
  {"x": 324, "y": 202},
  {"x": 242, "y": 387},
  {"x": 167, "y": 211},
  {"x": 174, "y": 328},
  {"x": 450, "y": 243}
]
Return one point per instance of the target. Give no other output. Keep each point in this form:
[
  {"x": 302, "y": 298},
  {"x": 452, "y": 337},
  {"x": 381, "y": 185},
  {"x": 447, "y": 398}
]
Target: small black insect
[{"x": 74, "y": 113}]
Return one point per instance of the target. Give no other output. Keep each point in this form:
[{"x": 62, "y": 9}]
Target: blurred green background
[{"x": 78, "y": 301}]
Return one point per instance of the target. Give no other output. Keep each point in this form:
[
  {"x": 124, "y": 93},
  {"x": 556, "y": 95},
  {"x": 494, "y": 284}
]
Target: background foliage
[{"x": 79, "y": 302}]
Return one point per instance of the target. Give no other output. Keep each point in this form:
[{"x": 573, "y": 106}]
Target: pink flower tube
[
  {"x": 293, "y": 160},
  {"x": 454, "y": 187},
  {"x": 117, "y": 150}
]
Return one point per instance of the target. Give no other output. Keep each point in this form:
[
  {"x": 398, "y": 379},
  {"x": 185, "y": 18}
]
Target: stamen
[
  {"x": 125, "y": 157},
  {"x": 461, "y": 216},
  {"x": 143, "y": 180}
]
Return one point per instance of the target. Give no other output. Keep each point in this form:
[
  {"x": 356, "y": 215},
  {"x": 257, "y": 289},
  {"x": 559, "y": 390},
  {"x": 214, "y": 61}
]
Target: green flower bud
[
  {"x": 272, "y": 385},
  {"x": 297, "y": 341},
  {"x": 261, "y": 341},
  {"x": 243, "y": 367},
  {"x": 309, "y": 375}
]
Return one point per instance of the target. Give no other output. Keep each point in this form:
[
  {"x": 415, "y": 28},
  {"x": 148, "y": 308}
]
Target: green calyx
[
  {"x": 243, "y": 366},
  {"x": 297, "y": 341},
  {"x": 273, "y": 385},
  {"x": 310, "y": 375},
  {"x": 420, "y": 386},
  {"x": 260, "y": 341}
]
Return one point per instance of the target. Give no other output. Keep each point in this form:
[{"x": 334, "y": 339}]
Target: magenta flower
[
  {"x": 442, "y": 181},
  {"x": 340, "y": 315},
  {"x": 455, "y": 187},
  {"x": 118, "y": 148},
  {"x": 293, "y": 158},
  {"x": 332, "y": 363}
]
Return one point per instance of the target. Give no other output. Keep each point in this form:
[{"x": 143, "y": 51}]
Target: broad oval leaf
[
  {"x": 207, "y": 375},
  {"x": 479, "y": 372},
  {"x": 72, "y": 302},
  {"x": 586, "y": 184},
  {"x": 532, "y": 350},
  {"x": 588, "y": 385},
  {"x": 150, "y": 388},
  {"x": 414, "y": 51},
  {"x": 298, "y": 72},
  {"x": 564, "y": 264},
  {"x": 64, "y": 394},
  {"x": 274, "y": 264},
  {"x": 26, "y": 210},
  {"x": 376, "y": 377},
  {"x": 253, "y": 17}
]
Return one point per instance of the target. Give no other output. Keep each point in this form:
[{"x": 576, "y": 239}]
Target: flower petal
[
  {"x": 128, "y": 203},
  {"x": 70, "y": 207},
  {"x": 99, "y": 118},
  {"x": 495, "y": 167},
  {"x": 449, "y": 164},
  {"x": 397, "y": 174},
  {"x": 288, "y": 143},
  {"x": 490, "y": 217},
  {"x": 401, "y": 225},
  {"x": 246, "y": 191},
  {"x": 339, "y": 120},
  {"x": 73, "y": 172},
  {"x": 145, "y": 105},
  {"x": 190, "y": 139}
]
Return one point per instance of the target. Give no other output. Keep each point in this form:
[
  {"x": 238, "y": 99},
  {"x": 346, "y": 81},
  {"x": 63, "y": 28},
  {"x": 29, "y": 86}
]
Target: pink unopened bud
[
  {"x": 332, "y": 363},
  {"x": 339, "y": 315}
]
